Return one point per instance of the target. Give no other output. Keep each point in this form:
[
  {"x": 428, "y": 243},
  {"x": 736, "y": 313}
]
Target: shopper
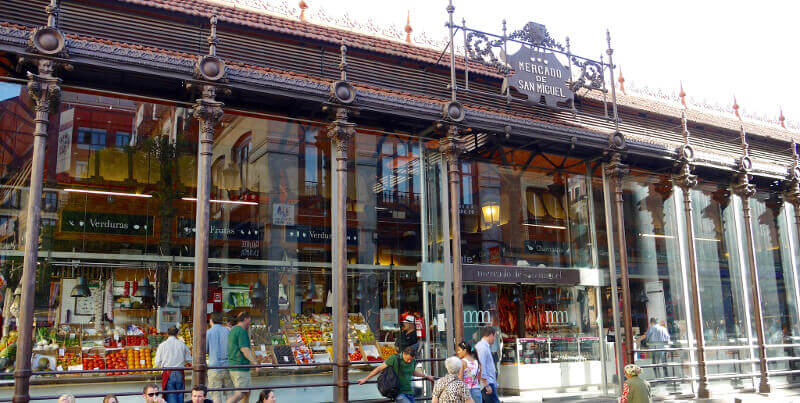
[
  {"x": 172, "y": 353},
  {"x": 217, "y": 349},
  {"x": 488, "y": 369},
  {"x": 110, "y": 398},
  {"x": 240, "y": 353},
  {"x": 267, "y": 396},
  {"x": 408, "y": 334},
  {"x": 450, "y": 389},
  {"x": 471, "y": 375},
  {"x": 199, "y": 393},
  {"x": 405, "y": 366},
  {"x": 657, "y": 337},
  {"x": 635, "y": 389},
  {"x": 151, "y": 395}
]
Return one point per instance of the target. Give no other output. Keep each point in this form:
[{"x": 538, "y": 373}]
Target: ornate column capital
[
  {"x": 43, "y": 88},
  {"x": 208, "y": 111},
  {"x": 452, "y": 146},
  {"x": 742, "y": 186},
  {"x": 615, "y": 167},
  {"x": 341, "y": 130},
  {"x": 685, "y": 179}
]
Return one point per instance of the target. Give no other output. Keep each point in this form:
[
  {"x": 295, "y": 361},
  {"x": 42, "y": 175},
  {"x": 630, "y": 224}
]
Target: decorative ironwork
[
  {"x": 536, "y": 34},
  {"x": 480, "y": 49},
  {"x": 211, "y": 67}
]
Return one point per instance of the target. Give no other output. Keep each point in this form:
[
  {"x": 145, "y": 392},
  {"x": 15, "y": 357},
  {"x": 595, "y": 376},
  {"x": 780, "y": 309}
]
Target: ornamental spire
[
  {"x": 303, "y": 6},
  {"x": 408, "y": 28},
  {"x": 621, "y": 80},
  {"x": 782, "y": 119},
  {"x": 736, "y": 108},
  {"x": 682, "y": 95}
]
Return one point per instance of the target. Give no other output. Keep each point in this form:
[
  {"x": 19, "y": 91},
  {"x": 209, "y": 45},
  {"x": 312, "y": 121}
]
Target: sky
[{"x": 716, "y": 48}]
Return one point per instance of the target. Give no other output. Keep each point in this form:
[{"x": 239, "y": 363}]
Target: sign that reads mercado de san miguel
[{"x": 540, "y": 75}]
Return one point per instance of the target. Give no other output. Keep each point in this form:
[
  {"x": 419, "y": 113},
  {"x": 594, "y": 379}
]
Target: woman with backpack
[
  {"x": 449, "y": 388},
  {"x": 396, "y": 383}
]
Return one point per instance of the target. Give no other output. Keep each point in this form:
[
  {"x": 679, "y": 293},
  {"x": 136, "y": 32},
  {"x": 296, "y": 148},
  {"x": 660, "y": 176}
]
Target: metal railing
[{"x": 153, "y": 371}]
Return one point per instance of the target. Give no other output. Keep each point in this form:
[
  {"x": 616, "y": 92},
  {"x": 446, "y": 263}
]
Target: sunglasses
[{"x": 153, "y": 394}]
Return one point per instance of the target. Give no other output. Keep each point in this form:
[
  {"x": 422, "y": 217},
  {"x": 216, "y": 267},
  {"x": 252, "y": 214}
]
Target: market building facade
[{"x": 162, "y": 160}]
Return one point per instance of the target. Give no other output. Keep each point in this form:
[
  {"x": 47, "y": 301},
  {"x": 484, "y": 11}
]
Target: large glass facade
[
  {"x": 118, "y": 214},
  {"x": 657, "y": 280}
]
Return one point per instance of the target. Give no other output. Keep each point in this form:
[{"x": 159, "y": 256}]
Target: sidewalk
[{"x": 777, "y": 396}]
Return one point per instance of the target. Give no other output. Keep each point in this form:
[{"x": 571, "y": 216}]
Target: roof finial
[
  {"x": 782, "y": 119},
  {"x": 682, "y": 95},
  {"x": 343, "y": 63},
  {"x": 212, "y": 36},
  {"x": 408, "y": 27},
  {"x": 52, "y": 14},
  {"x": 303, "y": 6},
  {"x": 621, "y": 80},
  {"x": 736, "y": 108}
]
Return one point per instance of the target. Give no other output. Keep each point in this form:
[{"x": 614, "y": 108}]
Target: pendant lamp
[
  {"x": 81, "y": 290},
  {"x": 259, "y": 292},
  {"x": 145, "y": 289}
]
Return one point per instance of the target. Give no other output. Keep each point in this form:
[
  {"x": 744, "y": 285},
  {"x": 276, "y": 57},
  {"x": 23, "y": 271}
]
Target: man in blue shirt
[
  {"x": 488, "y": 369},
  {"x": 217, "y": 349}
]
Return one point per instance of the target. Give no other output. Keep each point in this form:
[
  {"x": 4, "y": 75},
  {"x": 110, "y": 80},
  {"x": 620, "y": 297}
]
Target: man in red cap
[{"x": 408, "y": 334}]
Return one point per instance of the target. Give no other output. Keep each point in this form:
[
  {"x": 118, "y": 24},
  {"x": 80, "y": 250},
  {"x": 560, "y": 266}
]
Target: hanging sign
[
  {"x": 540, "y": 76},
  {"x": 519, "y": 274},
  {"x": 64, "y": 151},
  {"x": 106, "y": 223},
  {"x": 220, "y": 229}
]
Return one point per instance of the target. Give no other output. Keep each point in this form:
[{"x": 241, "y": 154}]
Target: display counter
[{"x": 542, "y": 362}]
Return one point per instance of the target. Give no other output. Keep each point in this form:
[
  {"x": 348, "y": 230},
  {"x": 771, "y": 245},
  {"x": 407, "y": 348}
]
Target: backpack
[{"x": 389, "y": 382}]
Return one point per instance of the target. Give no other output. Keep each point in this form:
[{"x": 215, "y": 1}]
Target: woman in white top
[{"x": 471, "y": 370}]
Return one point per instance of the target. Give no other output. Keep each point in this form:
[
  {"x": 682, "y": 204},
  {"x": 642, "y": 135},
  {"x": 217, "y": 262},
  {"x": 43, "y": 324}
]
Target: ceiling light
[
  {"x": 101, "y": 192},
  {"x": 194, "y": 199}
]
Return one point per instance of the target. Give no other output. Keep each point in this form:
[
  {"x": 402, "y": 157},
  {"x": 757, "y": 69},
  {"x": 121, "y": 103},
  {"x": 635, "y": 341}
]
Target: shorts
[
  {"x": 219, "y": 378},
  {"x": 241, "y": 379}
]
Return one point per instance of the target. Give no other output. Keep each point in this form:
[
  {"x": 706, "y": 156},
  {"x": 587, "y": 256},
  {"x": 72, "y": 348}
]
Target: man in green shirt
[
  {"x": 405, "y": 366},
  {"x": 239, "y": 353}
]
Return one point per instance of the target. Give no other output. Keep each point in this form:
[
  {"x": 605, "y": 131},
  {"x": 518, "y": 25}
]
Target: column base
[
  {"x": 703, "y": 392},
  {"x": 764, "y": 386}
]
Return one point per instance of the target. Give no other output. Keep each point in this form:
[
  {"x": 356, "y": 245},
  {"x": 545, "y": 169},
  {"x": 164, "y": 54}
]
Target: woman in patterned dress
[{"x": 450, "y": 389}]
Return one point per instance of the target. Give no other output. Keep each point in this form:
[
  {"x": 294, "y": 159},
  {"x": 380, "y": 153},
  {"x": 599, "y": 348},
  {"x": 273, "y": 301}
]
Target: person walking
[
  {"x": 408, "y": 334},
  {"x": 635, "y": 389},
  {"x": 449, "y": 388},
  {"x": 240, "y": 353},
  {"x": 172, "y": 353},
  {"x": 488, "y": 369},
  {"x": 657, "y": 337},
  {"x": 471, "y": 375},
  {"x": 405, "y": 366},
  {"x": 217, "y": 350}
]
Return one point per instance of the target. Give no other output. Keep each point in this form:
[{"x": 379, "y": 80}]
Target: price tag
[
  {"x": 141, "y": 362},
  {"x": 59, "y": 368},
  {"x": 263, "y": 348},
  {"x": 116, "y": 337},
  {"x": 61, "y": 352},
  {"x": 72, "y": 336}
]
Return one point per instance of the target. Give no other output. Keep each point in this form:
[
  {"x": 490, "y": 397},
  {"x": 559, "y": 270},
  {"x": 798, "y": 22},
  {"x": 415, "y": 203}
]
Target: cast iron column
[
  {"x": 45, "y": 92},
  {"x": 341, "y": 132},
  {"x": 746, "y": 190},
  {"x": 208, "y": 112},
  {"x": 616, "y": 170},
  {"x": 452, "y": 147},
  {"x": 686, "y": 181},
  {"x": 792, "y": 193}
]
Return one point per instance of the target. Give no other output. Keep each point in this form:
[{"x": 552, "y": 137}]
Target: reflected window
[
  {"x": 94, "y": 139},
  {"x": 11, "y": 199},
  {"x": 123, "y": 139},
  {"x": 50, "y": 201},
  {"x": 241, "y": 155}
]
